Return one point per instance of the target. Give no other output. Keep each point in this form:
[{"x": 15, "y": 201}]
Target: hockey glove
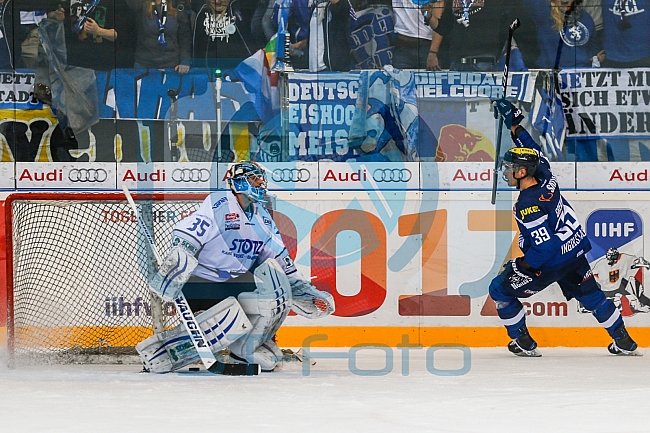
[
  {"x": 640, "y": 262},
  {"x": 308, "y": 301},
  {"x": 511, "y": 115},
  {"x": 172, "y": 275},
  {"x": 519, "y": 265}
]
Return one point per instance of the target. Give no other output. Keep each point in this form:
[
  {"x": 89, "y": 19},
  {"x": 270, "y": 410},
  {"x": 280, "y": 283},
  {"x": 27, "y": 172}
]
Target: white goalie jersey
[
  {"x": 610, "y": 277},
  {"x": 226, "y": 242}
]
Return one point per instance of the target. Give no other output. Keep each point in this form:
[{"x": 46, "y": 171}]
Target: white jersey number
[
  {"x": 540, "y": 235},
  {"x": 567, "y": 223}
]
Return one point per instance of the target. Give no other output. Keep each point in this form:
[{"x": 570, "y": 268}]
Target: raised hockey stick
[
  {"x": 495, "y": 174},
  {"x": 187, "y": 316}
]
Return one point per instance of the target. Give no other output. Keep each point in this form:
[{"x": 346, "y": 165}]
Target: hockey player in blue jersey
[
  {"x": 228, "y": 258},
  {"x": 554, "y": 246}
]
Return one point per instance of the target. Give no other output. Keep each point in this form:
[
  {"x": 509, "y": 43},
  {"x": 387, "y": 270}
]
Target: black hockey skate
[
  {"x": 524, "y": 345},
  {"x": 623, "y": 344}
]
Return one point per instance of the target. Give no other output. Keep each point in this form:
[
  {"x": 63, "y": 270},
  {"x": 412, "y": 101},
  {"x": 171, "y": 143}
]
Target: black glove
[
  {"x": 511, "y": 115},
  {"x": 519, "y": 265}
]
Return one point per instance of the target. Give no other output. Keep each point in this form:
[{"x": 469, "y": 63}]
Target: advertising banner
[
  {"x": 606, "y": 102},
  {"x": 168, "y": 176},
  {"x": 7, "y": 177},
  {"x": 613, "y": 175},
  {"x": 65, "y": 176},
  {"x": 478, "y": 176},
  {"x": 421, "y": 263}
]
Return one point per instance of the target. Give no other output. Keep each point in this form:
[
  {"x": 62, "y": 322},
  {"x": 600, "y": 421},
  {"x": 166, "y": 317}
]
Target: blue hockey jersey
[{"x": 551, "y": 236}]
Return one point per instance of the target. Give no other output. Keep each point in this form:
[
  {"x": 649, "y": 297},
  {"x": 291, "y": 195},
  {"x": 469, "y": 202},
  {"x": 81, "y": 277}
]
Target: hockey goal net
[{"x": 77, "y": 266}]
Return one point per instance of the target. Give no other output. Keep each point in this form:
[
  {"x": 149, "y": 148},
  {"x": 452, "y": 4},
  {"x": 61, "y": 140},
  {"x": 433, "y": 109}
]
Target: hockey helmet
[
  {"x": 246, "y": 177},
  {"x": 612, "y": 256},
  {"x": 522, "y": 157}
]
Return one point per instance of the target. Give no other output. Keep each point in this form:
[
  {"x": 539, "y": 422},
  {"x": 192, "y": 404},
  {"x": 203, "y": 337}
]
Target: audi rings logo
[
  {"x": 88, "y": 175},
  {"x": 290, "y": 175},
  {"x": 191, "y": 175},
  {"x": 392, "y": 175}
]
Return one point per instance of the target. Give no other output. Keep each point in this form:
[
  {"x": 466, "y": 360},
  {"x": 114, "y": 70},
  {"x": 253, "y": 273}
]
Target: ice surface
[{"x": 567, "y": 390}]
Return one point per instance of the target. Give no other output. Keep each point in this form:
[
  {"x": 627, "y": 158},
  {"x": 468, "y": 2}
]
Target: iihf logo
[{"x": 613, "y": 228}]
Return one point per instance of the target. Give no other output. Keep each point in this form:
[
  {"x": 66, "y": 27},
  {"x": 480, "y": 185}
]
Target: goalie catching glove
[
  {"x": 173, "y": 273},
  {"x": 308, "y": 301}
]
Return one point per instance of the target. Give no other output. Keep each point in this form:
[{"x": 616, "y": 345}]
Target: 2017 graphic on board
[{"x": 617, "y": 258}]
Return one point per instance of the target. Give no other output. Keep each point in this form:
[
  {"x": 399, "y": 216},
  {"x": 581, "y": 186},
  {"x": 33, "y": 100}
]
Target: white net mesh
[{"x": 79, "y": 274}]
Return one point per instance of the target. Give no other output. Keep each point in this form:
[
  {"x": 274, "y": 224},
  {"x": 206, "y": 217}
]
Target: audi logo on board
[
  {"x": 191, "y": 175},
  {"x": 290, "y": 175},
  {"x": 88, "y": 175},
  {"x": 392, "y": 175}
]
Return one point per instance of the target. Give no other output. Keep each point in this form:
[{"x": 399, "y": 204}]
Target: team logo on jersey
[
  {"x": 219, "y": 202},
  {"x": 528, "y": 211},
  {"x": 232, "y": 217},
  {"x": 267, "y": 221},
  {"x": 614, "y": 275},
  {"x": 232, "y": 226},
  {"x": 178, "y": 242},
  {"x": 544, "y": 197},
  {"x": 575, "y": 35},
  {"x": 288, "y": 261}
]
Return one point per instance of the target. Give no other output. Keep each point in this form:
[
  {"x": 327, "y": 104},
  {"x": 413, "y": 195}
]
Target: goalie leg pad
[
  {"x": 173, "y": 273},
  {"x": 222, "y": 324},
  {"x": 267, "y": 308}
]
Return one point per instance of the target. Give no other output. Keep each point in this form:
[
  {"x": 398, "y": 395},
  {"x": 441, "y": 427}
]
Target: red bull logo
[{"x": 459, "y": 144}]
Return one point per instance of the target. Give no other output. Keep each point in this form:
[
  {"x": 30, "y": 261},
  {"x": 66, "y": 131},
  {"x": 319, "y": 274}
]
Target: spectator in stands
[
  {"x": 371, "y": 34},
  {"x": 477, "y": 30},
  {"x": 6, "y": 32},
  {"x": 19, "y": 26},
  {"x": 329, "y": 36},
  {"x": 92, "y": 32},
  {"x": 626, "y": 33},
  {"x": 414, "y": 24},
  {"x": 566, "y": 34},
  {"x": 298, "y": 28},
  {"x": 222, "y": 34},
  {"x": 262, "y": 24},
  {"x": 164, "y": 35}
]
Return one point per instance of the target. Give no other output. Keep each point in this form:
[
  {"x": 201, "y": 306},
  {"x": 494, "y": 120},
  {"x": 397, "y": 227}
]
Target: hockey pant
[{"x": 576, "y": 281}]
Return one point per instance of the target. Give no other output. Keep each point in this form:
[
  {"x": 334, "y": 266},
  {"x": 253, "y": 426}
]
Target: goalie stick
[
  {"x": 196, "y": 334},
  {"x": 495, "y": 175}
]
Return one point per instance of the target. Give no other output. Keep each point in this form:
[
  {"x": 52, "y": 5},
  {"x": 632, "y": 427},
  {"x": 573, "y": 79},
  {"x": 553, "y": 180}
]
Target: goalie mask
[
  {"x": 612, "y": 256},
  {"x": 248, "y": 178}
]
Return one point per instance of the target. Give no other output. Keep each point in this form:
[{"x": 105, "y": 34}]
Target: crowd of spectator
[{"x": 328, "y": 35}]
